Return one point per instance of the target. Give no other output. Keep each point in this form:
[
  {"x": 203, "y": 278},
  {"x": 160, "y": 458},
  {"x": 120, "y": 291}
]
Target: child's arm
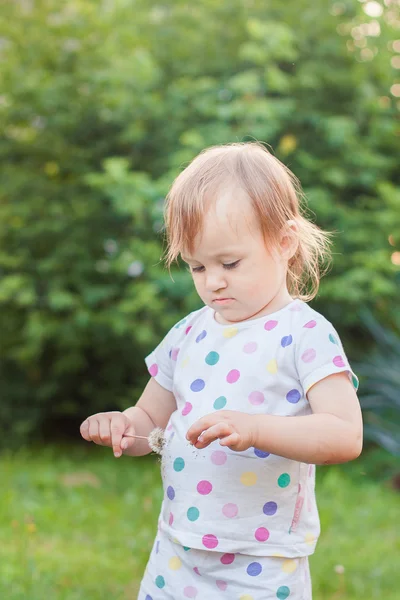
[
  {"x": 153, "y": 409},
  {"x": 332, "y": 434}
]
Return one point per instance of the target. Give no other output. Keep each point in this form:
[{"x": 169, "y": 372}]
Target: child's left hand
[{"x": 234, "y": 429}]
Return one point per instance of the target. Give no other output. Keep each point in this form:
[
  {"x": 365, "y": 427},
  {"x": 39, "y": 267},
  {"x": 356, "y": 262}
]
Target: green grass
[{"x": 78, "y": 524}]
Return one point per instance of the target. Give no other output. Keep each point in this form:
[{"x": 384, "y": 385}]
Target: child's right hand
[{"x": 109, "y": 429}]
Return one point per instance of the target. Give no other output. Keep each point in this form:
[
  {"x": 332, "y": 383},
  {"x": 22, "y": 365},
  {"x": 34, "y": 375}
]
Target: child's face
[{"x": 233, "y": 271}]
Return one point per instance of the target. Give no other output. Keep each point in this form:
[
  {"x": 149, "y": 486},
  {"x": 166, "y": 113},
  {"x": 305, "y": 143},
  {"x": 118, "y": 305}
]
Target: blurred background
[{"x": 102, "y": 103}]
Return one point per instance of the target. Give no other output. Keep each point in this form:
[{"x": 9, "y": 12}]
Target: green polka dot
[
  {"x": 355, "y": 382},
  {"x": 220, "y": 403},
  {"x": 186, "y": 548},
  {"x": 160, "y": 581},
  {"x": 333, "y": 339},
  {"x": 193, "y": 513},
  {"x": 284, "y": 480},
  {"x": 283, "y": 592},
  {"x": 179, "y": 464},
  {"x": 212, "y": 358}
]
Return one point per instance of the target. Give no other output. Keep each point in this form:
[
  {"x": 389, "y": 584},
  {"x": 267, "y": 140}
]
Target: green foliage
[{"x": 103, "y": 102}]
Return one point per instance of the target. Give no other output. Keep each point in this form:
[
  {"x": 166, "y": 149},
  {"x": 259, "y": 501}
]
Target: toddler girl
[{"x": 253, "y": 390}]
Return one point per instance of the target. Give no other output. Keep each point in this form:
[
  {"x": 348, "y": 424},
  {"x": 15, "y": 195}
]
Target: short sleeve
[
  {"x": 319, "y": 353},
  {"x": 161, "y": 362}
]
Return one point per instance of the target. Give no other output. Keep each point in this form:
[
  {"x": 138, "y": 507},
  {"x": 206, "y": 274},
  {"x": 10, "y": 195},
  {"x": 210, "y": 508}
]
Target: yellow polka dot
[
  {"x": 246, "y": 597},
  {"x": 272, "y": 366},
  {"x": 185, "y": 362},
  {"x": 289, "y": 565},
  {"x": 277, "y": 555},
  {"x": 175, "y": 563},
  {"x": 176, "y": 541},
  {"x": 230, "y": 332},
  {"x": 309, "y": 539},
  {"x": 248, "y": 478}
]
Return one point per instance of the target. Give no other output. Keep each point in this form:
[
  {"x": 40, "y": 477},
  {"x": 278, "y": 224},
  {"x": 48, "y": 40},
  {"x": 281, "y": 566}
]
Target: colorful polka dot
[
  {"x": 233, "y": 376},
  {"x": 185, "y": 362},
  {"x": 197, "y": 385},
  {"x": 289, "y": 565},
  {"x": 250, "y": 347},
  {"x": 333, "y": 339},
  {"x": 270, "y": 508},
  {"x": 170, "y": 492},
  {"x": 283, "y": 592},
  {"x": 219, "y": 403},
  {"x": 196, "y": 570},
  {"x": 186, "y": 409},
  {"x": 272, "y": 366},
  {"x": 148, "y": 597},
  {"x": 256, "y": 398},
  {"x": 201, "y": 336},
  {"x": 284, "y": 480},
  {"x": 204, "y": 487},
  {"x": 249, "y": 478},
  {"x": 171, "y": 518},
  {"x": 286, "y": 341},
  {"x": 210, "y": 541},
  {"x": 310, "y": 324},
  {"x": 179, "y": 464},
  {"x": 175, "y": 563},
  {"x": 157, "y": 546},
  {"x": 354, "y": 381},
  {"x": 309, "y": 539},
  {"x": 338, "y": 361},
  {"x": 186, "y": 548},
  {"x": 246, "y": 597},
  {"x": 270, "y": 325},
  {"x": 188, "y": 329},
  {"x": 230, "y": 332},
  {"x": 218, "y": 457},
  {"x": 193, "y": 513},
  {"x": 227, "y": 559},
  {"x": 160, "y": 581},
  {"x": 153, "y": 370},
  {"x": 260, "y": 453},
  {"x": 222, "y": 585},
  {"x": 174, "y": 353},
  {"x": 261, "y": 534},
  {"x": 309, "y": 355},
  {"x": 293, "y": 396},
  {"x": 254, "y": 569},
  {"x": 230, "y": 510},
  {"x": 190, "y": 591},
  {"x": 212, "y": 358}
]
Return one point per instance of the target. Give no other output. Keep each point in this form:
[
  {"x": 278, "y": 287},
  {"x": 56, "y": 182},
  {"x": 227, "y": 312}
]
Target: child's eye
[
  {"x": 232, "y": 265},
  {"x": 196, "y": 269}
]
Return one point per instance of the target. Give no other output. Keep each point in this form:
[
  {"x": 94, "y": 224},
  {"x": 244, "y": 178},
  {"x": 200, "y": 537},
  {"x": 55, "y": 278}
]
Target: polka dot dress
[{"x": 241, "y": 504}]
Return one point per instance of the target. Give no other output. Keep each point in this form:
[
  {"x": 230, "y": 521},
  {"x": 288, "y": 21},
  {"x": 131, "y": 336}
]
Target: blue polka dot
[
  {"x": 160, "y": 581},
  {"x": 286, "y": 341},
  {"x": 157, "y": 546},
  {"x": 197, "y": 385},
  {"x": 201, "y": 336},
  {"x": 254, "y": 569},
  {"x": 293, "y": 396},
  {"x": 186, "y": 548},
  {"x": 220, "y": 403},
  {"x": 148, "y": 597},
  {"x": 333, "y": 339},
  {"x": 179, "y": 464},
  {"x": 170, "y": 492},
  {"x": 283, "y": 592},
  {"x": 270, "y": 508},
  {"x": 260, "y": 453}
]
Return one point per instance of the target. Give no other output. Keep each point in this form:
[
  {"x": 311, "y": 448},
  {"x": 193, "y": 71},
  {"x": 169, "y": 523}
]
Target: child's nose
[{"x": 215, "y": 282}]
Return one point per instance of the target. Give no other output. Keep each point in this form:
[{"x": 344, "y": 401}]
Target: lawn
[{"x": 78, "y": 524}]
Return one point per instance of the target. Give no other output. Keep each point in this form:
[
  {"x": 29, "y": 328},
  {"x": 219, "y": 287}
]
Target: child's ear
[{"x": 289, "y": 240}]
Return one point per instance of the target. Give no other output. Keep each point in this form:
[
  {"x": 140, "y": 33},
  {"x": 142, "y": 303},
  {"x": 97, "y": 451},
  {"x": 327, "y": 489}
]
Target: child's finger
[
  {"x": 84, "y": 430},
  {"x": 213, "y": 433},
  {"x": 231, "y": 440},
  {"x": 118, "y": 428}
]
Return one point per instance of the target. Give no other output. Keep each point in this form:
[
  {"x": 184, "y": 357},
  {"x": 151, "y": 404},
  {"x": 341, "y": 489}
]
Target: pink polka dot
[
  {"x": 227, "y": 559},
  {"x": 256, "y": 398},
  {"x": 190, "y": 591},
  {"x": 269, "y": 325},
  {"x": 174, "y": 353},
  {"x": 169, "y": 427},
  {"x": 210, "y": 540},
  {"x": 233, "y": 376},
  {"x": 196, "y": 570},
  {"x": 230, "y": 510},
  {"x": 218, "y": 457},
  {"x": 250, "y": 347},
  {"x": 204, "y": 487},
  {"x": 309, "y": 355},
  {"x": 188, "y": 329},
  {"x": 310, "y": 324},
  {"x": 338, "y": 361},
  {"x": 261, "y": 534},
  {"x": 153, "y": 370},
  {"x": 171, "y": 518},
  {"x": 222, "y": 585},
  {"x": 186, "y": 409}
]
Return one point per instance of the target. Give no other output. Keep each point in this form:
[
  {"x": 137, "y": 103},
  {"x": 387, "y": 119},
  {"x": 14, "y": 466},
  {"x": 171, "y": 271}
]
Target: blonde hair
[{"x": 276, "y": 197}]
